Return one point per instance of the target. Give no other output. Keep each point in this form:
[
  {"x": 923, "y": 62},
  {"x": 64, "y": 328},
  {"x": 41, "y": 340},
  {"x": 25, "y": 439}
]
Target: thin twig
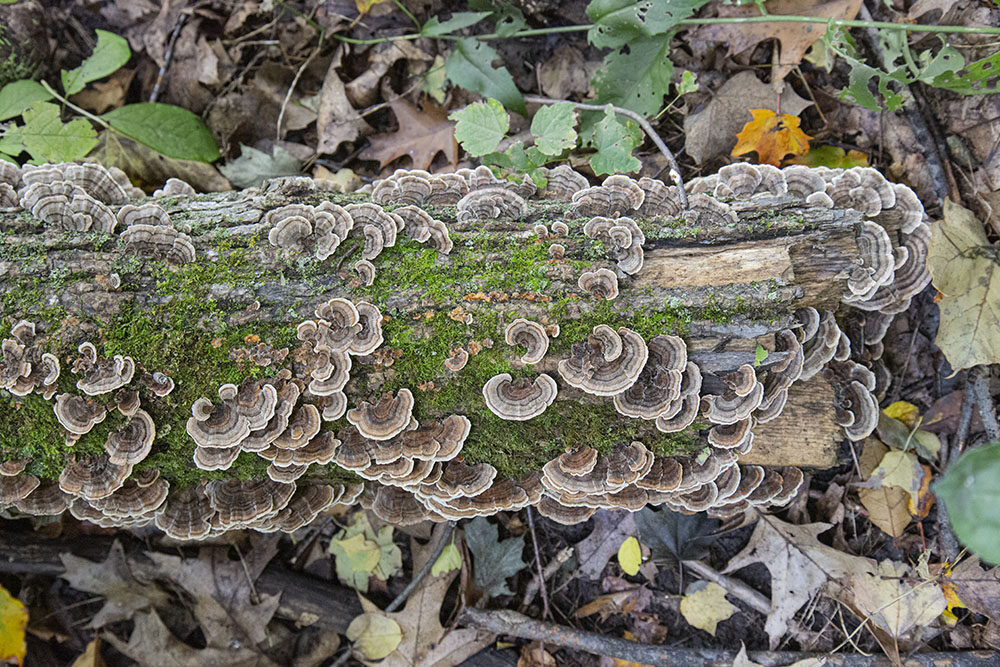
[
  {"x": 425, "y": 570},
  {"x": 538, "y": 565},
  {"x": 675, "y": 172},
  {"x": 295, "y": 82},
  {"x": 82, "y": 112},
  {"x": 167, "y": 56},
  {"x": 740, "y": 590},
  {"x": 984, "y": 402}
]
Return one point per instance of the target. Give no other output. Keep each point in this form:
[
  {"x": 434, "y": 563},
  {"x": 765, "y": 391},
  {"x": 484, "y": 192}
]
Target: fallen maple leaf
[
  {"x": 795, "y": 38},
  {"x": 421, "y": 135},
  {"x": 773, "y": 137}
]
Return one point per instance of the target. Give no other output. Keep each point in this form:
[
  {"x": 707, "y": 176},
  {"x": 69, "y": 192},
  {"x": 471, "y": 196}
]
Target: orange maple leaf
[{"x": 773, "y": 137}]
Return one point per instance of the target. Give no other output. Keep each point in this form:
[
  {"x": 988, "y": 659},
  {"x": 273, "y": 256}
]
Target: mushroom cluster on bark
[{"x": 321, "y": 407}]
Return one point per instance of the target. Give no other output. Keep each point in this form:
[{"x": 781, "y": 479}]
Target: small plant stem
[
  {"x": 538, "y": 565},
  {"x": 425, "y": 570},
  {"x": 675, "y": 172},
  {"x": 86, "y": 114},
  {"x": 406, "y": 11},
  {"x": 295, "y": 82},
  {"x": 167, "y": 57}
]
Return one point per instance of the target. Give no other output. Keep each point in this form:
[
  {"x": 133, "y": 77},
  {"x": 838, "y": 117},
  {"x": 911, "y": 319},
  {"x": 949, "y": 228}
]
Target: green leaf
[
  {"x": 17, "y": 96},
  {"x": 374, "y": 634},
  {"x": 614, "y": 144},
  {"x": 434, "y": 80},
  {"x": 970, "y": 490},
  {"x": 110, "y": 53},
  {"x": 450, "y": 559},
  {"x": 508, "y": 18},
  {"x": 973, "y": 77},
  {"x": 458, "y": 20},
  {"x": 356, "y": 559},
  {"x": 47, "y": 139},
  {"x": 494, "y": 560},
  {"x": 554, "y": 128},
  {"x": 253, "y": 167},
  {"x": 390, "y": 559},
  {"x": 688, "y": 84},
  {"x": 480, "y": 127},
  {"x": 171, "y": 130},
  {"x": 621, "y": 22},
  {"x": 636, "y": 80},
  {"x": 760, "y": 355},
  {"x": 470, "y": 66}
]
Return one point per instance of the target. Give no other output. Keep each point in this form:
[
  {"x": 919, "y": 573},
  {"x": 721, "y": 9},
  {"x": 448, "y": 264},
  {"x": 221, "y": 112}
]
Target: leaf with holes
[
  {"x": 638, "y": 79},
  {"x": 554, "y": 128},
  {"x": 470, "y": 66},
  {"x": 771, "y": 136},
  {"x": 621, "y": 22},
  {"x": 614, "y": 144}
]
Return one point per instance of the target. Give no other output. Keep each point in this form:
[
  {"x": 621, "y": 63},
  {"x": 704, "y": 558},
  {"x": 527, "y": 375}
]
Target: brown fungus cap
[
  {"x": 563, "y": 182},
  {"x": 291, "y": 233},
  {"x": 321, "y": 450},
  {"x": 659, "y": 383},
  {"x": 369, "y": 338},
  {"x": 398, "y": 506},
  {"x": 664, "y": 475},
  {"x": 240, "y": 502},
  {"x": 67, "y": 207},
  {"x": 94, "y": 477},
  {"x": 706, "y": 211},
  {"x": 660, "y": 200},
  {"x": 367, "y": 214},
  {"x": 288, "y": 394},
  {"x": 133, "y": 500},
  {"x": 14, "y": 488},
  {"x": 365, "y": 271},
  {"x": 386, "y": 419},
  {"x": 132, "y": 443},
  {"x": 12, "y": 467},
  {"x": 303, "y": 425},
  {"x": 791, "y": 481},
  {"x": 45, "y": 500},
  {"x": 732, "y": 436},
  {"x": 146, "y": 214},
  {"x": 416, "y": 222},
  {"x": 600, "y": 284},
  {"x": 502, "y": 495},
  {"x": 520, "y": 399},
  {"x": 618, "y": 195},
  {"x": 858, "y": 411},
  {"x": 215, "y": 458},
  {"x": 175, "y": 187},
  {"x": 801, "y": 181},
  {"x": 306, "y": 505},
  {"x": 910, "y": 278},
  {"x": 93, "y": 178},
  {"x": 286, "y": 474},
  {"x": 78, "y": 414},
  {"x": 127, "y": 401},
  {"x": 160, "y": 384},
  {"x": 494, "y": 203},
  {"x": 216, "y": 425},
  {"x": 461, "y": 480},
  {"x": 587, "y": 369},
  {"x": 457, "y": 359},
  {"x": 739, "y": 180},
  {"x": 187, "y": 514},
  {"x": 530, "y": 335},
  {"x": 729, "y": 407},
  {"x": 106, "y": 375},
  {"x": 567, "y": 516},
  {"x": 158, "y": 242}
]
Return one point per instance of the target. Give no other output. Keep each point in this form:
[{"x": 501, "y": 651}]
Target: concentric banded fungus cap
[
  {"x": 106, "y": 375},
  {"x": 147, "y": 214},
  {"x": 239, "y": 503},
  {"x": 907, "y": 209},
  {"x": 187, "y": 514},
  {"x": 94, "y": 477},
  {"x": 858, "y": 411},
  {"x": 802, "y": 181},
  {"x": 161, "y": 385},
  {"x": 159, "y": 242},
  {"x": 45, "y": 500},
  {"x": 216, "y": 458},
  {"x": 567, "y": 516},
  {"x": 732, "y": 436},
  {"x": 578, "y": 460},
  {"x": 398, "y": 506},
  {"x": 133, "y": 500},
  {"x": 520, "y": 399},
  {"x": 175, "y": 187},
  {"x": 791, "y": 481},
  {"x": 910, "y": 278},
  {"x": 502, "y": 495},
  {"x": 332, "y": 375},
  {"x": 216, "y": 425},
  {"x": 369, "y": 338},
  {"x": 664, "y": 475},
  {"x": 560, "y": 228},
  {"x": 132, "y": 443},
  {"x": 65, "y": 206},
  {"x": 739, "y": 179},
  {"x": 14, "y": 488},
  {"x": 365, "y": 271},
  {"x": 605, "y": 341},
  {"x": 659, "y": 383},
  {"x": 78, "y": 414},
  {"x": 254, "y": 400},
  {"x": 618, "y": 195},
  {"x": 305, "y": 506},
  {"x": 12, "y": 467},
  {"x": 93, "y": 178},
  {"x": 587, "y": 369},
  {"x": 302, "y": 427},
  {"x": 368, "y": 214},
  {"x": 563, "y": 183},
  {"x": 660, "y": 201},
  {"x": 127, "y": 401},
  {"x": 416, "y": 222},
  {"x": 286, "y": 474},
  {"x": 322, "y": 449},
  {"x": 682, "y": 418},
  {"x": 821, "y": 348},
  {"x": 707, "y": 211},
  {"x": 386, "y": 419},
  {"x": 495, "y": 203},
  {"x": 447, "y": 189},
  {"x": 458, "y": 479},
  {"x": 730, "y": 407},
  {"x": 291, "y": 233},
  {"x": 600, "y": 284},
  {"x": 457, "y": 360},
  {"x": 875, "y": 263},
  {"x": 768, "y": 488},
  {"x": 337, "y": 326},
  {"x": 529, "y": 334}
]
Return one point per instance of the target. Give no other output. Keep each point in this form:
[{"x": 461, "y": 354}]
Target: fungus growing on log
[
  {"x": 94, "y": 477},
  {"x": 531, "y": 336},
  {"x": 520, "y": 399},
  {"x": 874, "y": 240},
  {"x": 600, "y": 284}
]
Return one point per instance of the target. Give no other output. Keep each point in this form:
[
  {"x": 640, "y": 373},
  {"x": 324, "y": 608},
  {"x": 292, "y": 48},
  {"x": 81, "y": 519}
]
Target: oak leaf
[
  {"x": 772, "y": 136},
  {"x": 795, "y": 38},
  {"x": 421, "y": 135}
]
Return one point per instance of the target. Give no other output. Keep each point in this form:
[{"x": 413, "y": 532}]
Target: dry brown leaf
[
  {"x": 979, "y": 589},
  {"x": 363, "y": 90},
  {"x": 888, "y": 505},
  {"x": 566, "y": 73},
  {"x": 421, "y": 135},
  {"x": 795, "y": 38},
  {"x": 337, "y": 120},
  {"x": 712, "y": 131},
  {"x": 102, "y": 96}
]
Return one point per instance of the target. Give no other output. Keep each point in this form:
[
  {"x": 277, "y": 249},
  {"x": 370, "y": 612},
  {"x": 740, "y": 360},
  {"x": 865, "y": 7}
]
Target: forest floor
[{"x": 293, "y": 87}]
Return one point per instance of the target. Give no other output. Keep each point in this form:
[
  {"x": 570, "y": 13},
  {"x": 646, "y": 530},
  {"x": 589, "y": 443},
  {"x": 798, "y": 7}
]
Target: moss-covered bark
[{"x": 193, "y": 321}]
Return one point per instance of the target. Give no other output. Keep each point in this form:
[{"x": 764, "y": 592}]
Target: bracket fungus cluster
[{"x": 334, "y": 403}]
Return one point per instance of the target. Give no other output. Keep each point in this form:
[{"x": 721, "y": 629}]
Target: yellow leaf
[
  {"x": 904, "y": 412},
  {"x": 449, "y": 560},
  {"x": 773, "y": 137},
  {"x": 375, "y": 635},
  {"x": 630, "y": 556},
  {"x": 705, "y": 605},
  {"x": 13, "y": 621},
  {"x": 365, "y": 6}
]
